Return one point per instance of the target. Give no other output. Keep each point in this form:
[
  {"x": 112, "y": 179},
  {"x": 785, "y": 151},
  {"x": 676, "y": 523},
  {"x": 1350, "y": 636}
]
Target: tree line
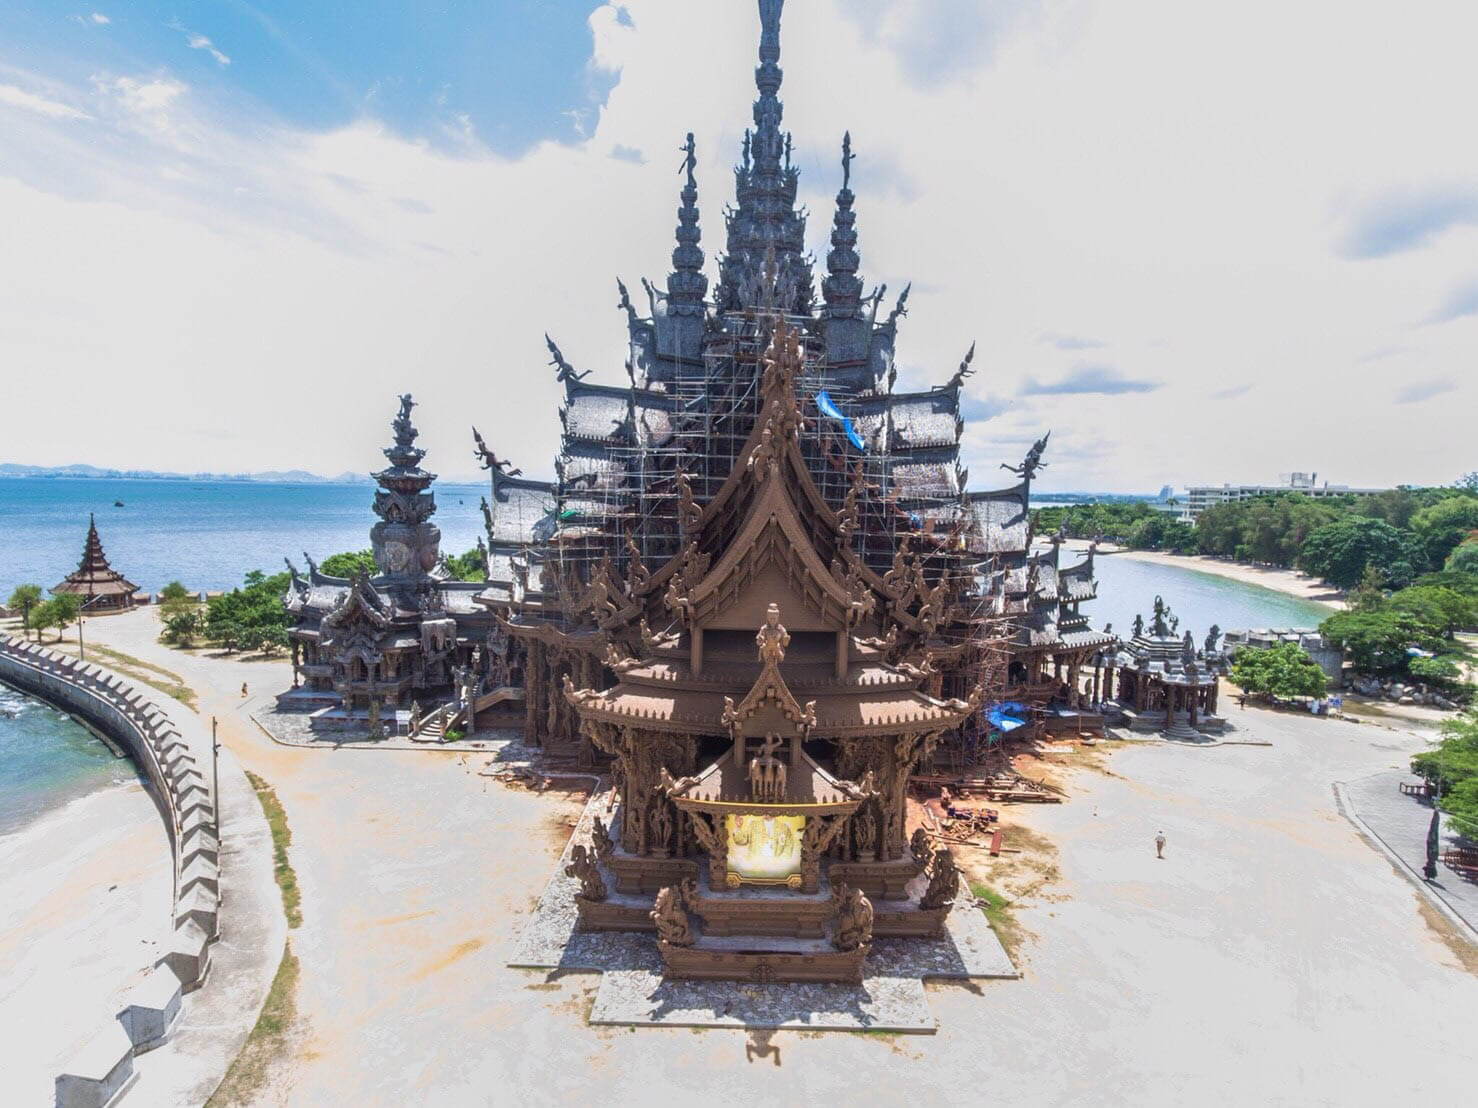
[{"x": 1402, "y": 533}]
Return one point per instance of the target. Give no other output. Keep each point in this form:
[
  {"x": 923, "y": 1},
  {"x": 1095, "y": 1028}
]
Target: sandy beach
[
  {"x": 1288, "y": 581},
  {"x": 85, "y": 899}
]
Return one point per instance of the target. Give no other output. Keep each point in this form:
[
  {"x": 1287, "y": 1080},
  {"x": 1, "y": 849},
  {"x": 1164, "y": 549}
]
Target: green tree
[
  {"x": 181, "y": 626},
  {"x": 1283, "y": 672},
  {"x": 1370, "y": 593},
  {"x": 1463, "y": 559},
  {"x": 1452, "y": 769},
  {"x": 1377, "y": 641},
  {"x": 65, "y": 608},
  {"x": 349, "y": 564},
  {"x": 1443, "y": 525},
  {"x": 249, "y": 617},
  {"x": 471, "y": 566},
  {"x": 1440, "y": 611},
  {"x": 43, "y": 615},
  {"x": 23, "y": 598},
  {"x": 1340, "y": 552},
  {"x": 175, "y": 591}
]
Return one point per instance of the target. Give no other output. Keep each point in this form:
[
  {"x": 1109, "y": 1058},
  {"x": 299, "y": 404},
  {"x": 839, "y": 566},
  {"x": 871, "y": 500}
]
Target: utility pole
[
  {"x": 81, "y": 654},
  {"x": 215, "y": 779}
]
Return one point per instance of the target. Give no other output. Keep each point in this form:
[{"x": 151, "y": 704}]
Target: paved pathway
[{"x": 1401, "y": 823}]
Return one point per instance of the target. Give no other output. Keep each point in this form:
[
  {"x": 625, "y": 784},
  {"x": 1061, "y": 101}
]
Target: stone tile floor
[
  {"x": 1401, "y": 823},
  {"x": 633, "y": 992}
]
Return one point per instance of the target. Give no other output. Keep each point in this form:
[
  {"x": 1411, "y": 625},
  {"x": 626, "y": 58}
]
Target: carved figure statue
[
  {"x": 1033, "y": 460},
  {"x": 864, "y": 831},
  {"x": 1157, "y": 621},
  {"x": 1211, "y": 637},
  {"x": 582, "y": 866},
  {"x": 491, "y": 460},
  {"x": 847, "y": 157},
  {"x": 964, "y": 371},
  {"x": 618, "y": 661},
  {"x": 660, "y": 824},
  {"x": 406, "y": 404},
  {"x": 690, "y": 159},
  {"x": 853, "y": 922},
  {"x": 772, "y": 638},
  {"x": 674, "y": 786},
  {"x": 767, "y": 773},
  {"x": 1138, "y": 626},
  {"x": 944, "y": 882},
  {"x": 1188, "y": 650},
  {"x": 671, "y": 918},
  {"x": 563, "y": 371},
  {"x": 600, "y": 838},
  {"x": 575, "y": 696},
  {"x": 625, "y": 303},
  {"x": 688, "y": 511},
  {"x": 919, "y": 847}
]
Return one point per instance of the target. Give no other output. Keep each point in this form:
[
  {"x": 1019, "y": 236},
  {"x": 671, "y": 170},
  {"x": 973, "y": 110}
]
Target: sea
[
  {"x": 47, "y": 759},
  {"x": 205, "y": 534},
  {"x": 209, "y": 534}
]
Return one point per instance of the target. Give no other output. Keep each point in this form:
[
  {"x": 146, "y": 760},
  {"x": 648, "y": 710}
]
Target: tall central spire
[{"x": 764, "y": 221}]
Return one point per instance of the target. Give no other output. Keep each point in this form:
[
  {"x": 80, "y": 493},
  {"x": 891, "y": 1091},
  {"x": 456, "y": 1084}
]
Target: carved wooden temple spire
[
  {"x": 686, "y": 284},
  {"x": 842, "y": 288},
  {"x": 101, "y": 588},
  {"x": 765, "y": 220},
  {"x": 406, "y": 544},
  {"x": 756, "y": 455}
]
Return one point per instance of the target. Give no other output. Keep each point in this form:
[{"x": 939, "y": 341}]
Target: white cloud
[
  {"x": 100, "y": 19},
  {"x": 1103, "y": 170},
  {"x": 200, "y": 42},
  {"x": 151, "y": 97},
  {"x": 196, "y": 41},
  {"x": 31, "y": 102}
]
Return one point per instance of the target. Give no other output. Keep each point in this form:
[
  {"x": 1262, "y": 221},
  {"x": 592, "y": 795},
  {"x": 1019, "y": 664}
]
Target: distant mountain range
[{"x": 290, "y": 476}]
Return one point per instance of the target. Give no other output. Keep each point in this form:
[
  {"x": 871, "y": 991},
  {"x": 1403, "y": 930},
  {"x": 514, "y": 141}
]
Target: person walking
[
  {"x": 1159, "y": 844},
  {"x": 243, "y": 688}
]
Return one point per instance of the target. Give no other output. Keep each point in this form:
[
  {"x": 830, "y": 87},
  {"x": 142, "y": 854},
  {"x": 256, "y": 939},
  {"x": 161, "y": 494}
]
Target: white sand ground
[
  {"x": 1288, "y": 581},
  {"x": 1272, "y": 958},
  {"x": 85, "y": 899}
]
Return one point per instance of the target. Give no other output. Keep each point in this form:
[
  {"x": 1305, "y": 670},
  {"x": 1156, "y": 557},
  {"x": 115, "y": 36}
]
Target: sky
[{"x": 1199, "y": 243}]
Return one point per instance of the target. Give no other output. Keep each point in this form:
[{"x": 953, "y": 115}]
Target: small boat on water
[{"x": 117, "y": 503}]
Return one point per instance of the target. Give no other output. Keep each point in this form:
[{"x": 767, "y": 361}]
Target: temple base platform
[{"x": 715, "y": 958}]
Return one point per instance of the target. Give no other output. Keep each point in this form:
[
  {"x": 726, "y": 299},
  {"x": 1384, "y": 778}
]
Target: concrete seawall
[{"x": 174, "y": 754}]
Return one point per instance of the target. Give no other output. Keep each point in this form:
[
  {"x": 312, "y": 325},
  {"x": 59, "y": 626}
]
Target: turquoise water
[
  {"x": 47, "y": 759},
  {"x": 1127, "y": 587},
  {"x": 207, "y": 534}
]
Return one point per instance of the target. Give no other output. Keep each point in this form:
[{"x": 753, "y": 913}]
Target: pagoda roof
[{"x": 93, "y": 576}]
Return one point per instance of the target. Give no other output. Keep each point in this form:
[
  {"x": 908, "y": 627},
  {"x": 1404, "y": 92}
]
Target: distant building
[
  {"x": 1200, "y": 497},
  {"x": 101, "y": 589}
]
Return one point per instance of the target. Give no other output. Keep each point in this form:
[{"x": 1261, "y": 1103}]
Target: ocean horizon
[{"x": 205, "y": 534}]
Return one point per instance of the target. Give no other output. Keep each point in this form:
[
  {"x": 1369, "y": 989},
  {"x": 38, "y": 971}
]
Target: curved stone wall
[{"x": 176, "y": 757}]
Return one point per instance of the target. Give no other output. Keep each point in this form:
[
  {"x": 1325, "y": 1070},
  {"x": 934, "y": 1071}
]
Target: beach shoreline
[
  {"x": 1289, "y": 582},
  {"x": 86, "y": 897}
]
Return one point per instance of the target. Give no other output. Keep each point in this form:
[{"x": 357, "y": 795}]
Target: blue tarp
[
  {"x": 828, "y": 408},
  {"x": 996, "y": 715}
]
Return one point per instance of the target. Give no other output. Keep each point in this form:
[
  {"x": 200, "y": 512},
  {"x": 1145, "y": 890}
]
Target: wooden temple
[
  {"x": 101, "y": 589},
  {"x": 1161, "y": 681},
  {"x": 404, "y": 638},
  {"x": 761, "y": 587}
]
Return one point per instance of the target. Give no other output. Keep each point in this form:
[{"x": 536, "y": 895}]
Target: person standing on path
[{"x": 1159, "y": 844}]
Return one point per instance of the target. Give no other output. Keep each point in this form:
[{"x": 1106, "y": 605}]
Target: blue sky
[
  {"x": 516, "y": 70},
  {"x": 1157, "y": 220}
]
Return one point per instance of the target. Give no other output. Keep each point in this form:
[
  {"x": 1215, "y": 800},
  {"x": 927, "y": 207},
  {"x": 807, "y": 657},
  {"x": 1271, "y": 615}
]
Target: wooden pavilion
[{"x": 101, "y": 589}]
